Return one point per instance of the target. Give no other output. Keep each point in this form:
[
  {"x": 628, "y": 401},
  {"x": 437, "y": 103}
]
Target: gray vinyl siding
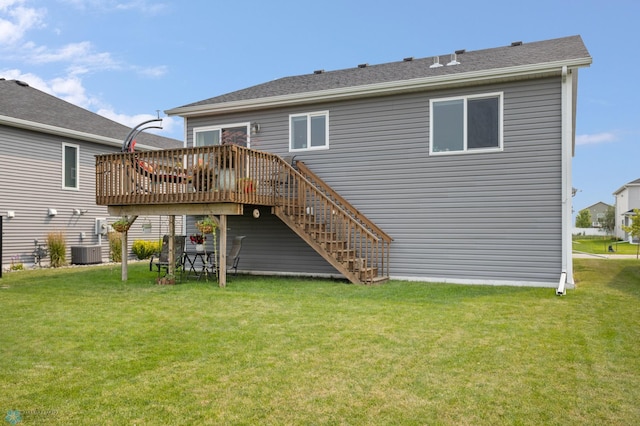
[
  {"x": 483, "y": 217},
  {"x": 31, "y": 182}
]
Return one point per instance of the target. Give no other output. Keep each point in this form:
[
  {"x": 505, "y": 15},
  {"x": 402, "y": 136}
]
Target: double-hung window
[
  {"x": 309, "y": 131},
  {"x": 466, "y": 124},
  {"x": 70, "y": 166}
]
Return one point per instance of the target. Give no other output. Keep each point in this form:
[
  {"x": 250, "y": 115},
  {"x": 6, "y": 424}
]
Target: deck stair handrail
[
  {"x": 341, "y": 201},
  {"x": 333, "y": 227}
]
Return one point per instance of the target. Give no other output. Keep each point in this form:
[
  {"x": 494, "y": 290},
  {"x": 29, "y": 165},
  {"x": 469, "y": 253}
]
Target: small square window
[{"x": 309, "y": 131}]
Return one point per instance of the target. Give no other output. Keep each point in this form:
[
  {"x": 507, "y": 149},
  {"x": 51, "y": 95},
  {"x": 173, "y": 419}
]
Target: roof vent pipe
[
  {"x": 454, "y": 60},
  {"x": 436, "y": 62}
]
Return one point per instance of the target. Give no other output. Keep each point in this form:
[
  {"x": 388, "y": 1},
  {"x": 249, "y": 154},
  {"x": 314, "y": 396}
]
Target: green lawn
[
  {"x": 601, "y": 246},
  {"x": 78, "y": 346}
]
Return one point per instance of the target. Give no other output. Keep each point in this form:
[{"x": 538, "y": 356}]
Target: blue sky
[{"x": 125, "y": 59}]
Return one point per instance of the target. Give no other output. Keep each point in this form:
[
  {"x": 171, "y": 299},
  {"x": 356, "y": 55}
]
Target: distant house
[
  {"x": 47, "y": 174},
  {"x": 597, "y": 212},
  {"x": 627, "y": 199}
]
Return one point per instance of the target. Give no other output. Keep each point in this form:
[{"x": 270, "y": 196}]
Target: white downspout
[{"x": 566, "y": 276}]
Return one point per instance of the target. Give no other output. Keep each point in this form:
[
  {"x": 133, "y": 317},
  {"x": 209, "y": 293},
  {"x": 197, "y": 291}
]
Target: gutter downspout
[{"x": 566, "y": 276}]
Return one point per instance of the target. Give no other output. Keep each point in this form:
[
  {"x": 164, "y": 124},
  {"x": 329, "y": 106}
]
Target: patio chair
[
  {"x": 233, "y": 258},
  {"x": 162, "y": 262}
]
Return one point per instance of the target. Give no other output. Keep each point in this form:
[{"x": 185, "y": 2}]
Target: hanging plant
[
  {"x": 206, "y": 225},
  {"x": 121, "y": 225}
]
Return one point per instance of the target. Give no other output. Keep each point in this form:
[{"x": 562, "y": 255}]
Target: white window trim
[
  {"x": 220, "y": 127},
  {"x": 465, "y": 150},
  {"x": 64, "y": 167},
  {"x": 309, "y": 115}
]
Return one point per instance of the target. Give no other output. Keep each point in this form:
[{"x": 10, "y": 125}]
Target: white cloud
[
  {"x": 169, "y": 124},
  {"x": 16, "y": 20},
  {"x": 144, "y": 6},
  {"x": 596, "y": 138}
]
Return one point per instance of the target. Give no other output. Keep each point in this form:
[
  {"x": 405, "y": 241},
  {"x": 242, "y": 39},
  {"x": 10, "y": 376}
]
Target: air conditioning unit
[{"x": 86, "y": 255}]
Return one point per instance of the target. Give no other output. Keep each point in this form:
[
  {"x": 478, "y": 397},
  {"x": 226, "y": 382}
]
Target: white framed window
[
  {"x": 70, "y": 166},
  {"x": 236, "y": 134},
  {"x": 466, "y": 124},
  {"x": 309, "y": 131}
]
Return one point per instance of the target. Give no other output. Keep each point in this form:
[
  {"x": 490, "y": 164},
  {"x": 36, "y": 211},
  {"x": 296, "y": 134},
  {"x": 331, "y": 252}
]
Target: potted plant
[
  {"x": 246, "y": 185},
  {"x": 206, "y": 225},
  {"x": 121, "y": 225},
  {"x": 202, "y": 177},
  {"x": 198, "y": 240}
]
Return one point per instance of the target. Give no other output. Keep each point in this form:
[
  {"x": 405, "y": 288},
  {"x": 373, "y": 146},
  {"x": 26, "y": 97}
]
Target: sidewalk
[{"x": 581, "y": 255}]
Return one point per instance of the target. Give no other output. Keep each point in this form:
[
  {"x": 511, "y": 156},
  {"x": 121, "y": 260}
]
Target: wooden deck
[{"x": 221, "y": 180}]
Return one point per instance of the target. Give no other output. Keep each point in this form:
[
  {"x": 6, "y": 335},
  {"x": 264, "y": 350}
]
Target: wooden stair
[{"x": 344, "y": 237}]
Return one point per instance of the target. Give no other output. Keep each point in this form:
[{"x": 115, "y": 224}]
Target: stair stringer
[{"x": 326, "y": 254}]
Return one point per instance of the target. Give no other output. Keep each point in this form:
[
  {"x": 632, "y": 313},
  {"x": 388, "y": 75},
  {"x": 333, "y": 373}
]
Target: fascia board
[
  {"x": 424, "y": 83},
  {"x": 625, "y": 186},
  {"x": 68, "y": 133}
]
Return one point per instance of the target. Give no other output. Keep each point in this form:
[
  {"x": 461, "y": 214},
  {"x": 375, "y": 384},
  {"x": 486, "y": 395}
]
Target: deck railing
[
  {"x": 234, "y": 174},
  {"x": 211, "y": 174}
]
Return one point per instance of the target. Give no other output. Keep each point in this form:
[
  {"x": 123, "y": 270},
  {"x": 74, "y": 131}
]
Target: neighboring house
[
  {"x": 597, "y": 212},
  {"x": 47, "y": 174},
  {"x": 463, "y": 159},
  {"x": 627, "y": 199}
]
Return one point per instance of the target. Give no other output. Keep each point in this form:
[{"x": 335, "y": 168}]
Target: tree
[
  {"x": 583, "y": 219},
  {"x": 634, "y": 228},
  {"x": 609, "y": 221}
]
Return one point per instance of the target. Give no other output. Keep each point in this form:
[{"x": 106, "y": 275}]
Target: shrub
[
  {"x": 115, "y": 246},
  {"x": 144, "y": 249},
  {"x": 57, "y": 245}
]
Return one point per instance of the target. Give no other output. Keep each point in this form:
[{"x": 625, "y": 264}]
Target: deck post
[
  {"x": 222, "y": 253},
  {"x": 123, "y": 255},
  {"x": 171, "y": 268}
]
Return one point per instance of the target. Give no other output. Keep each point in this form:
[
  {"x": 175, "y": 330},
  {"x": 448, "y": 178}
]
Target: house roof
[
  {"x": 625, "y": 186},
  {"x": 26, "y": 107},
  {"x": 599, "y": 203},
  {"x": 519, "y": 60}
]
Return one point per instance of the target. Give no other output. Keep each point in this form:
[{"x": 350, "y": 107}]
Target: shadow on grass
[{"x": 627, "y": 280}]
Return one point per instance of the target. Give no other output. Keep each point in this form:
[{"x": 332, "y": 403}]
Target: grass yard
[
  {"x": 78, "y": 346},
  {"x": 601, "y": 246}
]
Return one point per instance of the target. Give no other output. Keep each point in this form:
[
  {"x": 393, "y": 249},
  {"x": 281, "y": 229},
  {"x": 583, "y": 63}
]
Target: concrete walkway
[{"x": 581, "y": 255}]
